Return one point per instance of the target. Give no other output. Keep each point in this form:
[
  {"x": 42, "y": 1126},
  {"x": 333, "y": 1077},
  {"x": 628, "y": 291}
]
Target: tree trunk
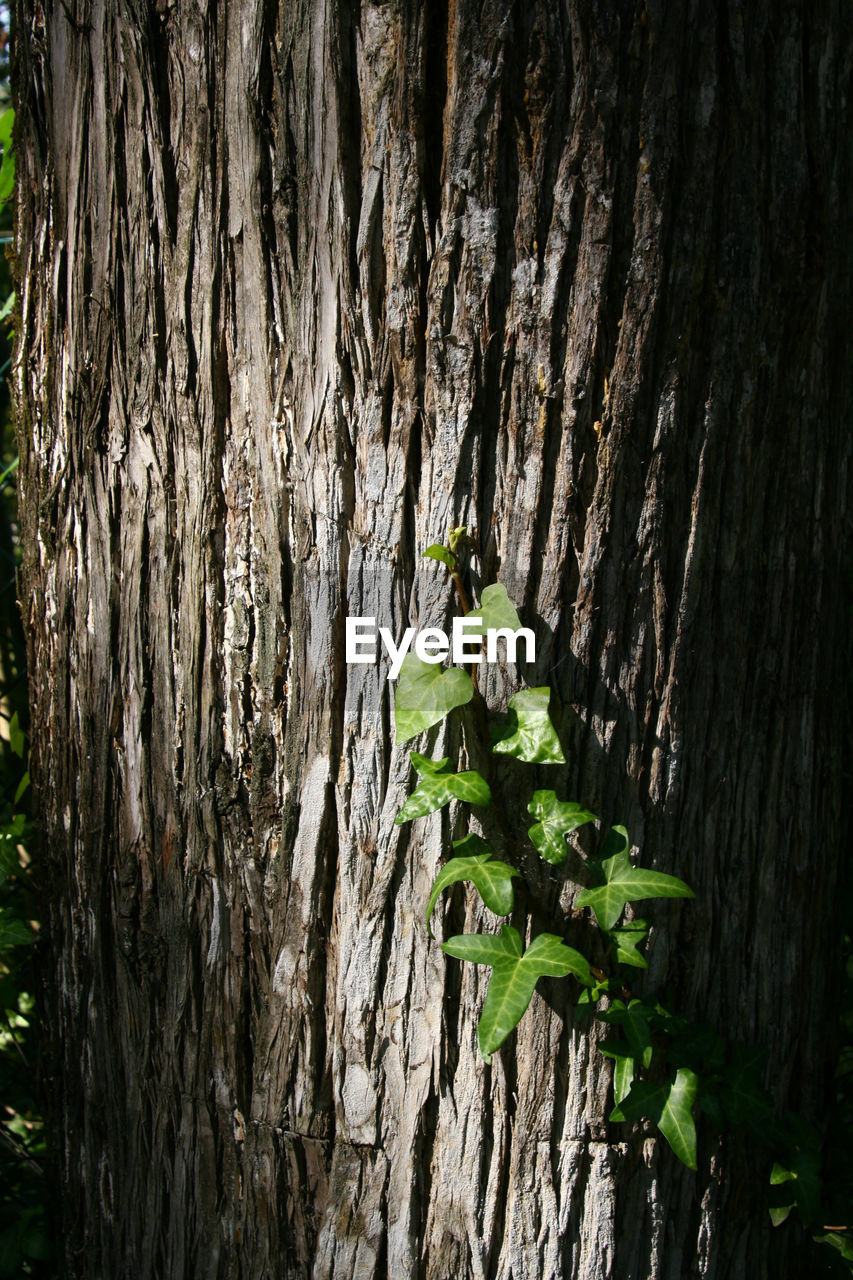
[{"x": 300, "y": 288}]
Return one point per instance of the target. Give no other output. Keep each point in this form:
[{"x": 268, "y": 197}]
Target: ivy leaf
[
  {"x": 620, "y": 882},
  {"x": 557, "y": 819},
  {"x": 17, "y": 737},
  {"x": 496, "y": 610},
  {"x": 438, "y": 552},
  {"x": 633, "y": 1019},
  {"x": 626, "y": 941},
  {"x": 623, "y": 1078},
  {"x": 12, "y": 834},
  {"x": 438, "y": 786},
  {"x": 492, "y": 880},
  {"x": 7, "y": 169},
  {"x": 670, "y": 1105},
  {"x": 795, "y": 1181},
  {"x": 529, "y": 734},
  {"x": 13, "y": 931},
  {"x": 795, "y": 1184},
  {"x": 590, "y": 997},
  {"x": 623, "y": 1066},
  {"x": 9, "y": 862},
  {"x": 514, "y": 976},
  {"x": 838, "y": 1240},
  {"x": 426, "y": 692},
  {"x": 743, "y": 1100}
]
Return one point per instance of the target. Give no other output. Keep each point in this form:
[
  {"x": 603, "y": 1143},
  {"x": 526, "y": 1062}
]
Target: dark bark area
[{"x": 300, "y": 288}]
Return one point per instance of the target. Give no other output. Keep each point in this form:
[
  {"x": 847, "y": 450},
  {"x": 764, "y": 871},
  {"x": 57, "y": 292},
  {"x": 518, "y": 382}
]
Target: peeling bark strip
[{"x": 302, "y": 287}]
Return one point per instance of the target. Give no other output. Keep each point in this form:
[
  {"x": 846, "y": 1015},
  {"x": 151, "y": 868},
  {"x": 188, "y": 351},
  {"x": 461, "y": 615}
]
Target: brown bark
[{"x": 300, "y": 288}]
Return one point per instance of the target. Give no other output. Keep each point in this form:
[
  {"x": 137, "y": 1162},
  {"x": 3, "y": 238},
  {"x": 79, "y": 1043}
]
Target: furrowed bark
[{"x": 302, "y": 287}]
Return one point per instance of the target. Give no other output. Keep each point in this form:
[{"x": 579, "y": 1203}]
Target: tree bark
[{"x": 300, "y": 288}]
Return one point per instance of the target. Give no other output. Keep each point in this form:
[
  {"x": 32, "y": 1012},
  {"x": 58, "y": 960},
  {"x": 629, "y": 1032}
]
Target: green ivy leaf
[
  {"x": 633, "y": 1019},
  {"x": 426, "y": 692},
  {"x": 557, "y": 819},
  {"x": 9, "y": 862},
  {"x": 438, "y": 552},
  {"x": 514, "y": 976},
  {"x": 620, "y": 882},
  {"x": 743, "y": 1100},
  {"x": 626, "y": 940},
  {"x": 22, "y": 786},
  {"x": 17, "y": 737},
  {"x": 795, "y": 1185},
  {"x": 795, "y": 1181},
  {"x": 438, "y": 787},
  {"x": 492, "y": 880},
  {"x": 623, "y": 1066},
  {"x": 838, "y": 1240},
  {"x": 13, "y": 932},
  {"x": 496, "y": 610},
  {"x": 529, "y": 734},
  {"x": 7, "y": 169},
  {"x": 455, "y": 536},
  {"x": 670, "y": 1105},
  {"x": 590, "y": 997}
]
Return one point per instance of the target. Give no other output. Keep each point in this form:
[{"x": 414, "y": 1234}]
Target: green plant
[
  {"x": 425, "y": 694},
  {"x": 25, "y": 1248},
  {"x": 666, "y": 1069}
]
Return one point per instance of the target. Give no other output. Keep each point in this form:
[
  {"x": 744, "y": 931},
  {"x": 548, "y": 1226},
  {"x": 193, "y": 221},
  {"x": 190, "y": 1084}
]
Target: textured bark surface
[{"x": 300, "y": 288}]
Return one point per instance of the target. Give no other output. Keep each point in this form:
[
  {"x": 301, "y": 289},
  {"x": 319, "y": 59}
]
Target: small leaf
[
  {"x": 839, "y": 1240},
  {"x": 425, "y": 694},
  {"x": 670, "y": 1105},
  {"x": 796, "y": 1184},
  {"x": 626, "y": 941},
  {"x": 779, "y": 1213},
  {"x": 22, "y": 786},
  {"x": 9, "y": 862},
  {"x": 529, "y": 734},
  {"x": 7, "y": 169},
  {"x": 779, "y": 1174},
  {"x": 620, "y": 882},
  {"x": 557, "y": 819},
  {"x": 13, "y": 932},
  {"x": 492, "y": 880},
  {"x": 438, "y": 787},
  {"x": 710, "y": 1104},
  {"x": 623, "y": 1078},
  {"x": 496, "y": 610},
  {"x": 514, "y": 976},
  {"x": 743, "y": 1100},
  {"x": 796, "y": 1181},
  {"x": 7, "y": 174},
  {"x": 438, "y": 552},
  {"x": 633, "y": 1018},
  {"x": 590, "y": 997},
  {"x": 8, "y": 305},
  {"x": 17, "y": 737}
]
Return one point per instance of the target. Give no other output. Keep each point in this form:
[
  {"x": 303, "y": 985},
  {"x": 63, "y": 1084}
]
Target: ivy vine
[{"x": 666, "y": 1069}]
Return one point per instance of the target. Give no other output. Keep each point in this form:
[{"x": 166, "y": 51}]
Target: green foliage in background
[{"x": 25, "y": 1248}]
